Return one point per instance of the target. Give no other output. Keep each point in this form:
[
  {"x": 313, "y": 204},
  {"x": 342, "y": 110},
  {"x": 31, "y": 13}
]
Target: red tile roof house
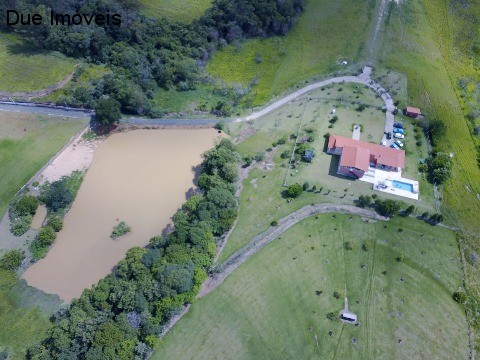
[
  {"x": 413, "y": 112},
  {"x": 357, "y": 156}
]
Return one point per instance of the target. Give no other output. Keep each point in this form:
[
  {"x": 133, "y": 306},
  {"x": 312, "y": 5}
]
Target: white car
[
  {"x": 399, "y": 143},
  {"x": 398, "y": 135}
]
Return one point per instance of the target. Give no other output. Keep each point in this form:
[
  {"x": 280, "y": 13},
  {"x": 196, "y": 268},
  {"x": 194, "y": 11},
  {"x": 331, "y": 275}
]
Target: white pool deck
[{"x": 382, "y": 181}]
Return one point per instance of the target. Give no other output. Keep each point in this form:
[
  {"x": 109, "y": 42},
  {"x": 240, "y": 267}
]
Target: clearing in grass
[{"x": 281, "y": 303}]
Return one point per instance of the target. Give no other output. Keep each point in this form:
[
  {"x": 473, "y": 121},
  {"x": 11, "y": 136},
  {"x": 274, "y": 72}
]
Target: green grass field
[
  {"x": 24, "y": 314},
  {"x": 23, "y": 68},
  {"x": 182, "y": 10},
  {"x": 27, "y": 142},
  {"x": 269, "y": 308},
  {"x": 326, "y": 33}
]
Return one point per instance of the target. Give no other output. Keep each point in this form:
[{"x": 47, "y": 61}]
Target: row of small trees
[{"x": 121, "y": 317}]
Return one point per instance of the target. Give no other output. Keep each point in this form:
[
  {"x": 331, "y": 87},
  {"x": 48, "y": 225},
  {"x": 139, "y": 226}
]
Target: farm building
[
  {"x": 348, "y": 316},
  {"x": 413, "y": 112},
  {"x": 358, "y": 157}
]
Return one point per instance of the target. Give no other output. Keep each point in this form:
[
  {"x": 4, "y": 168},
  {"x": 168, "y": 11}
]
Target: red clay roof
[
  {"x": 380, "y": 154},
  {"x": 413, "y": 110},
  {"x": 355, "y": 157}
]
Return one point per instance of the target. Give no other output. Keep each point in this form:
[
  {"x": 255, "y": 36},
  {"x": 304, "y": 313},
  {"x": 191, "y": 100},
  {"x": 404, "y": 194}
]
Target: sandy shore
[{"x": 77, "y": 156}]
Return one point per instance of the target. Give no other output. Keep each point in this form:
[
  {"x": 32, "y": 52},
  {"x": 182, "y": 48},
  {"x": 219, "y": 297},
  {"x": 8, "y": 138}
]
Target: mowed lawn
[
  {"x": 181, "y": 10},
  {"x": 275, "y": 305},
  {"x": 27, "y": 142},
  {"x": 326, "y": 33},
  {"x": 23, "y": 68},
  {"x": 24, "y": 315}
]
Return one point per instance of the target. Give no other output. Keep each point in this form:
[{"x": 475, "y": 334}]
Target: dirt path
[
  {"x": 28, "y": 96},
  {"x": 266, "y": 237}
]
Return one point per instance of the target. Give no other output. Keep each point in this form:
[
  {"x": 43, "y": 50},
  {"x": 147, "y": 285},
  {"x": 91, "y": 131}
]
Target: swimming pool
[{"x": 403, "y": 186}]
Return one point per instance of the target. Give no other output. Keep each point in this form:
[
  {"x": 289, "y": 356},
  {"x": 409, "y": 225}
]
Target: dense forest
[
  {"x": 144, "y": 53},
  {"x": 122, "y": 316}
]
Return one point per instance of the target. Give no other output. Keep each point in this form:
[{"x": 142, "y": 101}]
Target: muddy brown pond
[{"x": 140, "y": 177}]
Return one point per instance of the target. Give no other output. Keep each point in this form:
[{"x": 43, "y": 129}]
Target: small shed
[
  {"x": 348, "y": 316},
  {"x": 413, "y": 112},
  {"x": 308, "y": 156}
]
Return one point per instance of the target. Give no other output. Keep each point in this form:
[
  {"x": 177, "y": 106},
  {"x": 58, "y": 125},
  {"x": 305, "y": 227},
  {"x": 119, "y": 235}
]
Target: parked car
[
  {"x": 395, "y": 146},
  {"x": 397, "y": 130},
  {"x": 399, "y": 143},
  {"x": 398, "y": 136},
  {"x": 398, "y": 125},
  {"x": 383, "y": 142},
  {"x": 389, "y": 135}
]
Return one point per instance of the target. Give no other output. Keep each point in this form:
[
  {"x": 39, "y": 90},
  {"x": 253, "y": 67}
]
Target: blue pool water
[{"x": 401, "y": 185}]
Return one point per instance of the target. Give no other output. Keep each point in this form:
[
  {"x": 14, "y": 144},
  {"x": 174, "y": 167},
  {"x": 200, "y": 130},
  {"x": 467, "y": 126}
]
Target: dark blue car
[
  {"x": 389, "y": 135},
  {"x": 398, "y": 125}
]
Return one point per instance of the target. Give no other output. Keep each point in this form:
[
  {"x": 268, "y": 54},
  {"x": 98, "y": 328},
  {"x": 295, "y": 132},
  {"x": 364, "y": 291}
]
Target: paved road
[{"x": 363, "y": 79}]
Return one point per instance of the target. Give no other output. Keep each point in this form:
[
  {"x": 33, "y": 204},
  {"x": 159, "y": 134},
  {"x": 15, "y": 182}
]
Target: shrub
[
  {"x": 294, "y": 190},
  {"x": 121, "y": 229},
  {"x": 259, "y": 156},
  {"x": 436, "y": 218},
  {"x": 400, "y": 258},
  {"x": 20, "y": 225},
  {"x": 274, "y": 223},
  {"x": 248, "y": 160},
  {"x": 419, "y": 143},
  {"x": 220, "y": 125},
  {"x": 285, "y": 154},
  {"x": 348, "y": 245},
  {"x": 365, "y": 247},
  {"x": 332, "y": 317},
  {"x": 55, "y": 222},
  {"x": 305, "y": 186},
  {"x": 11, "y": 260},
  {"x": 338, "y": 295},
  {"x": 360, "y": 107},
  {"x": 46, "y": 236},
  {"x": 460, "y": 297},
  {"x": 282, "y": 140}
]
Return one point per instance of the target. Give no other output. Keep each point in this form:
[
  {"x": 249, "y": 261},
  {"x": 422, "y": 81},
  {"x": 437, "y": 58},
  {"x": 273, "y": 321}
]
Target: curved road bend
[
  {"x": 273, "y": 232},
  {"x": 363, "y": 79}
]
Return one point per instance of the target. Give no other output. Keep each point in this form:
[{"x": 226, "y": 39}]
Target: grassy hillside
[
  {"x": 270, "y": 307},
  {"x": 182, "y": 10},
  {"x": 326, "y": 33},
  {"x": 23, "y": 68},
  {"x": 419, "y": 41},
  {"x": 27, "y": 142}
]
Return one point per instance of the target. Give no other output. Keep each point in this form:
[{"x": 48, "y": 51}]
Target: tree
[
  {"x": 26, "y": 205},
  {"x": 57, "y": 195},
  {"x": 439, "y": 167},
  {"x": 409, "y": 210},
  {"x": 388, "y": 207},
  {"x": 294, "y": 190},
  {"x": 107, "y": 111},
  {"x": 364, "y": 201},
  {"x": 11, "y": 260}
]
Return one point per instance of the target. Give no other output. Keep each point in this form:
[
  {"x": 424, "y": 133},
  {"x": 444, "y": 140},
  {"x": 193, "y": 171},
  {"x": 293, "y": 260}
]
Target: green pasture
[
  {"x": 275, "y": 305},
  {"x": 326, "y": 33},
  {"x": 181, "y": 10},
  {"x": 24, "y": 68},
  {"x": 27, "y": 142}
]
